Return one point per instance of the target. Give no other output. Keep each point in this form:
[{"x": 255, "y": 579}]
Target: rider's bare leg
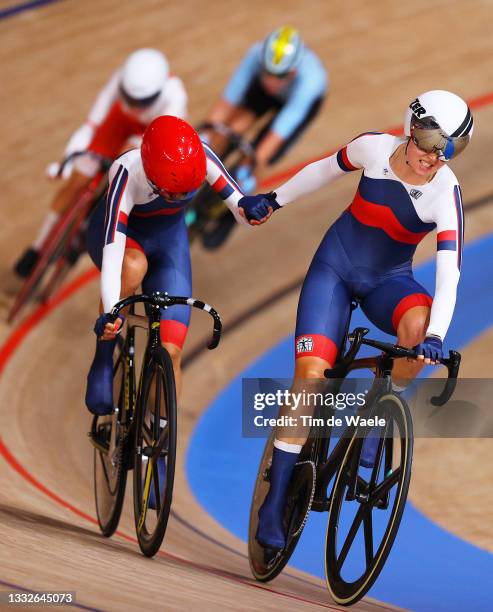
[{"x": 410, "y": 332}]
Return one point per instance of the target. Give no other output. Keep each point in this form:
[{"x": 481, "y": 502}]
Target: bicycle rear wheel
[
  {"x": 155, "y": 450},
  {"x": 108, "y": 435},
  {"x": 365, "y": 513},
  {"x": 265, "y": 564}
]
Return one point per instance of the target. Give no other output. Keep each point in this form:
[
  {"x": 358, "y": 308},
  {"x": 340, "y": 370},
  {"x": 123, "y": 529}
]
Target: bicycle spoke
[
  {"x": 368, "y": 531},
  {"x": 147, "y": 434},
  {"x": 157, "y": 399},
  {"x": 385, "y": 486},
  {"x": 350, "y": 537},
  {"x": 157, "y": 492}
]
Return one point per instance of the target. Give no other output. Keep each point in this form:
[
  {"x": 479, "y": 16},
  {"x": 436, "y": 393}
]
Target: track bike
[
  {"x": 358, "y": 539},
  {"x": 142, "y": 429},
  {"x": 65, "y": 242},
  {"x": 207, "y": 217}
]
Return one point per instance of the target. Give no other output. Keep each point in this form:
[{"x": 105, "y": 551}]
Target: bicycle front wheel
[
  {"x": 155, "y": 450},
  {"x": 111, "y": 450},
  {"x": 367, "y": 504}
]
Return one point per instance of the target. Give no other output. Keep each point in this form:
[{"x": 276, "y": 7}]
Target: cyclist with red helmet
[
  {"x": 138, "y": 237},
  {"x": 406, "y": 190},
  {"x": 138, "y": 92}
]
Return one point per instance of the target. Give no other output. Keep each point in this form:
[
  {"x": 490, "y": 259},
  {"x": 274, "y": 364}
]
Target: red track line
[{"x": 23, "y": 330}]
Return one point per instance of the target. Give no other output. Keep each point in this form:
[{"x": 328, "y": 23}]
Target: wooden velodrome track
[{"x": 53, "y": 61}]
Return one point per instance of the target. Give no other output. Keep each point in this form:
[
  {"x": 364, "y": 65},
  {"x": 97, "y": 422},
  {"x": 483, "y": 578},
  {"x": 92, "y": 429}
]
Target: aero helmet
[
  {"x": 143, "y": 77},
  {"x": 439, "y": 122},
  {"x": 173, "y": 156},
  {"x": 281, "y": 51}
]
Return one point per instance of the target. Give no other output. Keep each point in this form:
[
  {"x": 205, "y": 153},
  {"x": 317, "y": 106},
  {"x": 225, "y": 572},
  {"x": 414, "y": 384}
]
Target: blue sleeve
[
  {"x": 311, "y": 84},
  {"x": 243, "y": 76}
]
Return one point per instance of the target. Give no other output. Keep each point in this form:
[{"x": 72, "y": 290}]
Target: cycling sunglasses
[
  {"x": 138, "y": 102},
  {"x": 429, "y": 137}
]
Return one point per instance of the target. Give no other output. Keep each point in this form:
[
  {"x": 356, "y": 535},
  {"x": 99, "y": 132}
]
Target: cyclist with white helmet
[
  {"x": 139, "y": 91},
  {"x": 406, "y": 191},
  {"x": 279, "y": 75}
]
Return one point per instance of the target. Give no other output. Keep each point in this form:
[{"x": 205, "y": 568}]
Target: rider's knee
[
  {"x": 310, "y": 368},
  {"x": 175, "y": 352},
  {"x": 412, "y": 329}
]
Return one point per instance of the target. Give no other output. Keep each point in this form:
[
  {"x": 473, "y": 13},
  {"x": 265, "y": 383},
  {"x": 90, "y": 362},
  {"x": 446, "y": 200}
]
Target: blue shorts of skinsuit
[
  {"x": 164, "y": 241},
  {"x": 333, "y": 281}
]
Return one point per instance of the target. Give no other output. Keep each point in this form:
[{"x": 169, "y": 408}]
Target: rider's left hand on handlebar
[
  {"x": 430, "y": 349},
  {"x": 258, "y": 209},
  {"x": 105, "y": 328}
]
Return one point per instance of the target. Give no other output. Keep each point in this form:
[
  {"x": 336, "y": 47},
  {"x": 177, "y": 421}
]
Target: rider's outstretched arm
[
  {"x": 356, "y": 155},
  {"x": 223, "y": 184}
]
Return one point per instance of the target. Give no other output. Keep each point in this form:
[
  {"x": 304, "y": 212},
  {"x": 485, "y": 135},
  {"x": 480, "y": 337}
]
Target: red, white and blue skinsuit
[
  {"x": 133, "y": 216},
  {"x": 367, "y": 253}
]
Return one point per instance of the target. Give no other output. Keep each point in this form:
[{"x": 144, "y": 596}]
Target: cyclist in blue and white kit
[
  {"x": 406, "y": 191},
  {"x": 281, "y": 75},
  {"x": 139, "y": 237}
]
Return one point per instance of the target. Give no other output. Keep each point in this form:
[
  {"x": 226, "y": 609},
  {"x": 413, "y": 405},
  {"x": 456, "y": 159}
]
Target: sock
[
  {"x": 284, "y": 458},
  {"x": 398, "y": 388},
  {"x": 48, "y": 224}
]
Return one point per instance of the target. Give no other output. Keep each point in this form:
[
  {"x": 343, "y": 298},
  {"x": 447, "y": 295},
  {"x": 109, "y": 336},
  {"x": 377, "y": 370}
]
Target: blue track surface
[{"x": 429, "y": 569}]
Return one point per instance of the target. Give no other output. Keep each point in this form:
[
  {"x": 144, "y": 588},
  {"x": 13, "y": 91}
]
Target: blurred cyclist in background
[
  {"x": 280, "y": 80},
  {"x": 138, "y": 92}
]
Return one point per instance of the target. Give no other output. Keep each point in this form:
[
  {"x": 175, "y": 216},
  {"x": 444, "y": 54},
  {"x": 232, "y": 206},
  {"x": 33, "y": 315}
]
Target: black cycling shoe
[{"x": 26, "y": 262}]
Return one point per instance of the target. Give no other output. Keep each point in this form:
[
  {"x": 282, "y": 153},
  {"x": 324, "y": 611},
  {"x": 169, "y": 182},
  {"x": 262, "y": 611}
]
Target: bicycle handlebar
[
  {"x": 163, "y": 300},
  {"x": 452, "y": 362},
  {"x": 244, "y": 145},
  {"x": 104, "y": 161}
]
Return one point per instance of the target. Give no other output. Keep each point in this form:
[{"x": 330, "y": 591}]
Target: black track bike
[
  {"x": 142, "y": 429},
  {"x": 365, "y": 505}
]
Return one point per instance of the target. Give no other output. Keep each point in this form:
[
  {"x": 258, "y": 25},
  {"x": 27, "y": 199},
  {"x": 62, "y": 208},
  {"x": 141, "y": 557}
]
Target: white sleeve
[
  {"x": 118, "y": 207},
  {"x": 450, "y": 234},
  {"x": 356, "y": 155},
  {"x": 104, "y": 101},
  {"x": 223, "y": 184},
  {"x": 176, "y": 98}
]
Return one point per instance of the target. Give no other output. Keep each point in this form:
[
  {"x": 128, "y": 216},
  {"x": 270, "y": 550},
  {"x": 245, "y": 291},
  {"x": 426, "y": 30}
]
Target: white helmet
[
  {"x": 439, "y": 122},
  {"x": 143, "y": 77}
]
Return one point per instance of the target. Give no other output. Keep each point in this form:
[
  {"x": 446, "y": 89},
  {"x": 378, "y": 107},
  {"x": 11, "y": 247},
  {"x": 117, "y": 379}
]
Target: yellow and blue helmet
[{"x": 281, "y": 51}]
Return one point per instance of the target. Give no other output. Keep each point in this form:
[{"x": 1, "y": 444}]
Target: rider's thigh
[
  {"x": 387, "y": 305},
  {"x": 134, "y": 269},
  {"x": 323, "y": 311}
]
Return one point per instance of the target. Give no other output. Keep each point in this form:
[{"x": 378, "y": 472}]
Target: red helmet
[{"x": 172, "y": 155}]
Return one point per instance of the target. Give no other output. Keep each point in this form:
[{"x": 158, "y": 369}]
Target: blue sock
[
  {"x": 270, "y": 532},
  {"x": 99, "y": 391}
]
